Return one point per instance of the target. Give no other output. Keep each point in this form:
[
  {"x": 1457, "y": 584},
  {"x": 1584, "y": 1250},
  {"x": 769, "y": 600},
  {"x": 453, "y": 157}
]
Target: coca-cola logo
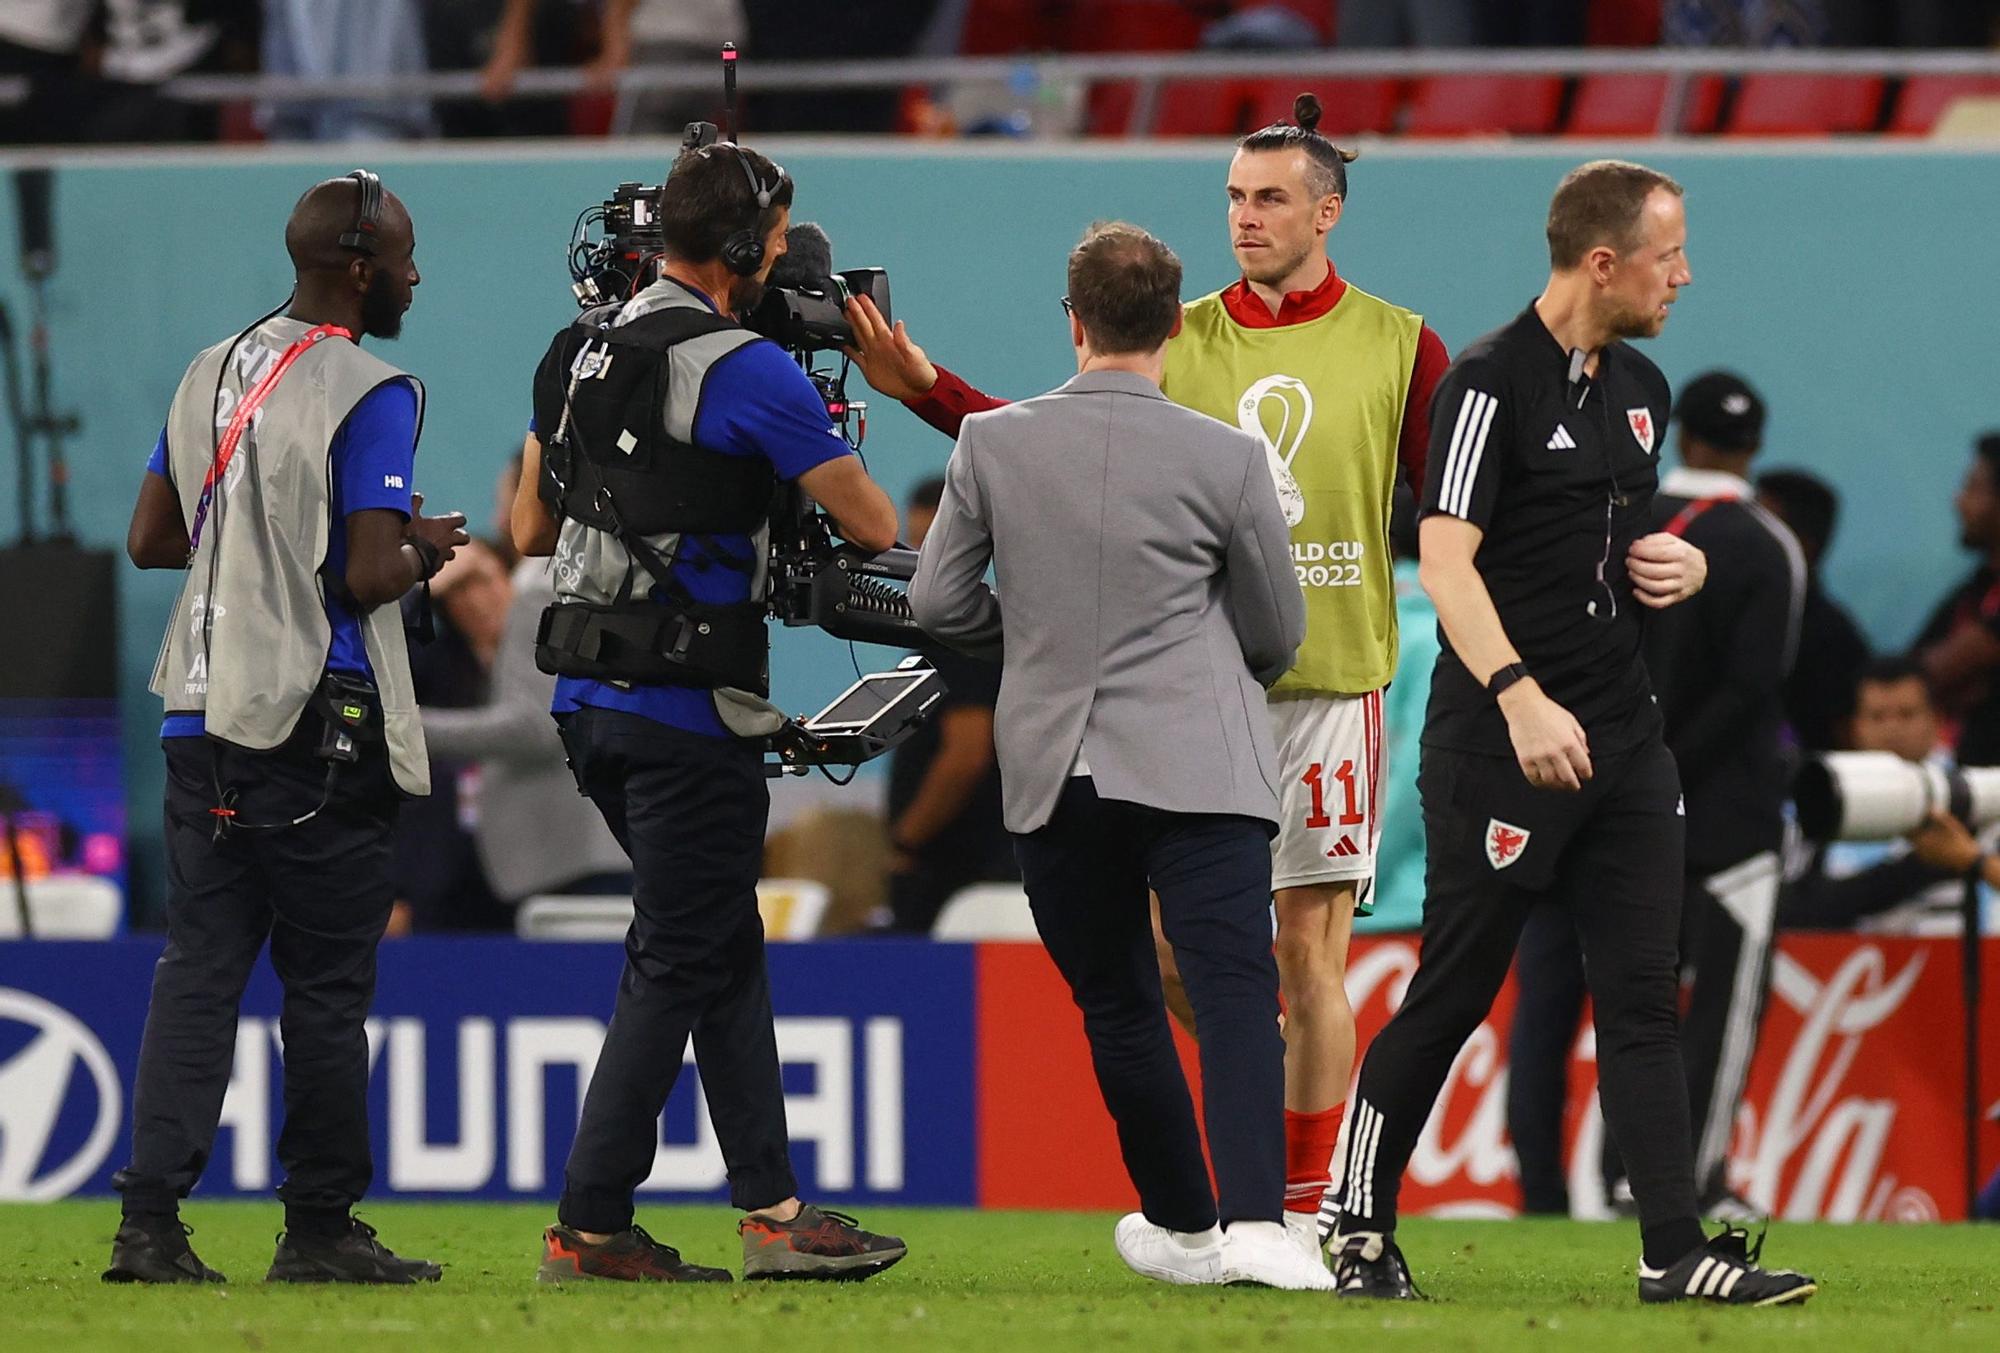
[
  {"x": 1817, "y": 1153},
  {"x": 1812, "y": 1141}
]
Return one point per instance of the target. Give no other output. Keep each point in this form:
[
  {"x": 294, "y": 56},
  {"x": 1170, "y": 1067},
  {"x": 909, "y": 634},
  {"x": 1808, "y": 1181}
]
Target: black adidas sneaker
[
  {"x": 1366, "y": 1264},
  {"x": 1725, "y": 1270}
]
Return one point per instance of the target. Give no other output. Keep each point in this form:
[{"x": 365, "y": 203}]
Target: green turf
[{"x": 977, "y": 1281}]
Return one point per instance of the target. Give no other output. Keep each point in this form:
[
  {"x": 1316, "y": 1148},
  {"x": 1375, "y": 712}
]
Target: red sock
[{"x": 1309, "y": 1142}]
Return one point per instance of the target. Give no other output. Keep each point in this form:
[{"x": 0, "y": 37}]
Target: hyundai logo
[{"x": 36, "y": 1082}]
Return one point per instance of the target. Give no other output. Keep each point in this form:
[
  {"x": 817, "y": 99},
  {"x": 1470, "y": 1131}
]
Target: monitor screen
[{"x": 865, "y": 699}]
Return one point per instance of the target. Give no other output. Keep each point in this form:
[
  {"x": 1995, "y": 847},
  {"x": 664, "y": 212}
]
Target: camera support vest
[
  {"x": 615, "y": 402},
  {"x": 248, "y": 654}
]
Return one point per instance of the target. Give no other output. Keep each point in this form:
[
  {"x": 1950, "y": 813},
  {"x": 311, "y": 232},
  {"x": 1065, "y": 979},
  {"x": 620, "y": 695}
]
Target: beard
[
  {"x": 1638, "y": 323},
  {"x": 382, "y": 308},
  {"x": 1273, "y": 271},
  {"x": 744, "y": 295}
]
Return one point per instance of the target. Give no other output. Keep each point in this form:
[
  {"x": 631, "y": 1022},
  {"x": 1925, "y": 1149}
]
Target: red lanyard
[
  {"x": 1685, "y": 517},
  {"x": 246, "y": 409}
]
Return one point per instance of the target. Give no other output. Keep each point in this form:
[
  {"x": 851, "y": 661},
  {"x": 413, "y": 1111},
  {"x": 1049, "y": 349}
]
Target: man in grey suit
[{"x": 1148, "y": 568}]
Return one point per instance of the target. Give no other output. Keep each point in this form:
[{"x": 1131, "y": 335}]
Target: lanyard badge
[{"x": 239, "y": 421}]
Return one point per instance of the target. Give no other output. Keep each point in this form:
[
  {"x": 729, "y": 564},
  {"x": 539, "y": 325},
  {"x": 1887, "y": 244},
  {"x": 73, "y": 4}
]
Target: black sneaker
[
  {"x": 352, "y": 1256},
  {"x": 156, "y": 1253},
  {"x": 814, "y": 1244},
  {"x": 1725, "y": 1270},
  {"x": 630, "y": 1256},
  {"x": 1366, "y": 1264}
]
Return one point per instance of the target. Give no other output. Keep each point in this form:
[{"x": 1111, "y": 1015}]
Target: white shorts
[{"x": 1330, "y": 757}]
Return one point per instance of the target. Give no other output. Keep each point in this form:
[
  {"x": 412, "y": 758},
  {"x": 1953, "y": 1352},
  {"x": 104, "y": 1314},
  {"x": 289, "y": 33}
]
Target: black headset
[
  {"x": 367, "y": 216},
  {"x": 743, "y": 251}
]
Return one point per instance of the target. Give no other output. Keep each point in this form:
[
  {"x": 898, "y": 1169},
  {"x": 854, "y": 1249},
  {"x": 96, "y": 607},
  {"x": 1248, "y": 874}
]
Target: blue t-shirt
[
  {"x": 754, "y": 402},
  {"x": 372, "y": 457}
]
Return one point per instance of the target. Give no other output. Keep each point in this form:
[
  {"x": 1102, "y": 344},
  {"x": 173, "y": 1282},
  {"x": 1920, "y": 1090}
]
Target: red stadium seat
[
  {"x": 1349, "y": 106},
  {"x": 1805, "y": 105},
  {"x": 1003, "y": 27},
  {"x": 1200, "y": 108},
  {"x": 1131, "y": 26},
  {"x": 1926, "y": 97},
  {"x": 1632, "y": 105},
  {"x": 1184, "y": 108},
  {"x": 1480, "y": 105},
  {"x": 1622, "y": 23}
]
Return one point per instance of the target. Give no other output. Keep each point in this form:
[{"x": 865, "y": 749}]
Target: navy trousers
[{"x": 1087, "y": 873}]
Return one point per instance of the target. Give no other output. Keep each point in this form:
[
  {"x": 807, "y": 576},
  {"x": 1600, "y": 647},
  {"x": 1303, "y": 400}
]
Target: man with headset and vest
[
  {"x": 280, "y": 484},
  {"x": 661, "y": 428}
]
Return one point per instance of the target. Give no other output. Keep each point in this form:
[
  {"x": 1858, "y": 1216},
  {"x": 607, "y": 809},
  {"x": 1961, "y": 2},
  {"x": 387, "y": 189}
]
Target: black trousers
[
  {"x": 319, "y": 893},
  {"x": 1728, "y": 925},
  {"x": 690, "y": 811},
  {"x": 1611, "y": 858},
  {"x": 1087, "y": 874},
  {"x": 1549, "y": 991}
]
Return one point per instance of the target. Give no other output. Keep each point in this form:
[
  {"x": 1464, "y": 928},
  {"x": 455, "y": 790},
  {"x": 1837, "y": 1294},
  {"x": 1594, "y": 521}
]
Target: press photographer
[{"x": 669, "y": 426}]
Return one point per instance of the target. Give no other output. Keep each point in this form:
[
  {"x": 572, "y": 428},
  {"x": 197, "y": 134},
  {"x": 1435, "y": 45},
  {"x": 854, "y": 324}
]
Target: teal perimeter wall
[{"x": 1857, "y": 288}]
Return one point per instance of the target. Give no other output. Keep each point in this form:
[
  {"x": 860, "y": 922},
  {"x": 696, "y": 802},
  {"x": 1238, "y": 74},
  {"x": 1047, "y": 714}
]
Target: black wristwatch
[{"x": 1505, "y": 677}]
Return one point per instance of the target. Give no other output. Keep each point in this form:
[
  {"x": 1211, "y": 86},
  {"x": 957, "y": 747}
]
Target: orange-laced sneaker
[
  {"x": 631, "y": 1256},
  {"x": 814, "y": 1244}
]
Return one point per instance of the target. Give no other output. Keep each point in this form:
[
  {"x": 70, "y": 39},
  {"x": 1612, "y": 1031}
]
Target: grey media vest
[
  {"x": 267, "y": 629},
  {"x": 592, "y": 566}
]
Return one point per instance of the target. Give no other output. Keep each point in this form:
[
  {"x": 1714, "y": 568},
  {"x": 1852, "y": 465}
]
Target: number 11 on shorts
[{"x": 1314, "y": 779}]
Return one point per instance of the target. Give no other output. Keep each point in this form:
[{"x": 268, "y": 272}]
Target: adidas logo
[
  {"x": 1345, "y": 848},
  {"x": 1562, "y": 441}
]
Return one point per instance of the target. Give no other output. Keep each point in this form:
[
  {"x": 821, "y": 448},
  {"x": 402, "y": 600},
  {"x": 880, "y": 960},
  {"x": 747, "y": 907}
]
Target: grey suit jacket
[
  {"x": 1149, "y": 592},
  {"x": 535, "y": 831}
]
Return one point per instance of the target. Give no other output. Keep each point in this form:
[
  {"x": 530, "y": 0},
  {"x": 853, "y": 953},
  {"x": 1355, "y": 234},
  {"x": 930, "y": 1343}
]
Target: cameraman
[
  {"x": 657, "y": 515},
  {"x": 1902, "y": 887}
]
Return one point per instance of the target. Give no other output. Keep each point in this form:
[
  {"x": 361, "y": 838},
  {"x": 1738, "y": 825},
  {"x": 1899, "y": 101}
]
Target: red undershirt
[{"x": 951, "y": 399}]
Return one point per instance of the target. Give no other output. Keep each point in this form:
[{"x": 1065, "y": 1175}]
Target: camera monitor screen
[{"x": 858, "y": 706}]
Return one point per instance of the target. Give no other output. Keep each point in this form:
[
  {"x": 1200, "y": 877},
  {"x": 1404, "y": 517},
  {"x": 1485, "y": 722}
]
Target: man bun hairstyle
[
  {"x": 1124, "y": 288},
  {"x": 707, "y": 198},
  {"x": 1326, "y": 163},
  {"x": 1600, "y": 204}
]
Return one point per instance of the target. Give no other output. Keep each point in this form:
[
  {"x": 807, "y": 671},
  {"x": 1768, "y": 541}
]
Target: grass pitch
[{"x": 982, "y": 1281}]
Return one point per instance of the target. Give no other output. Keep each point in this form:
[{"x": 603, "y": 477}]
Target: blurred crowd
[{"x": 97, "y": 70}]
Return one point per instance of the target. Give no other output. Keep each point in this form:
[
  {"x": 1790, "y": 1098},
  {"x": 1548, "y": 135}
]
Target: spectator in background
[
  {"x": 1907, "y": 887},
  {"x": 1959, "y": 648},
  {"x": 148, "y": 42},
  {"x": 532, "y": 831},
  {"x": 1743, "y": 23},
  {"x": 1819, "y": 694},
  {"x": 43, "y": 41},
  {"x": 366, "y": 40},
  {"x": 944, "y": 783},
  {"x": 629, "y": 33},
  {"x": 1409, "y": 23},
  {"x": 856, "y": 28},
  {"x": 440, "y": 883}
]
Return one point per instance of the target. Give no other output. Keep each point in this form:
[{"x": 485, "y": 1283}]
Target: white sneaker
[
  {"x": 1183, "y": 1257},
  {"x": 1302, "y": 1228},
  {"x": 1264, "y": 1254}
]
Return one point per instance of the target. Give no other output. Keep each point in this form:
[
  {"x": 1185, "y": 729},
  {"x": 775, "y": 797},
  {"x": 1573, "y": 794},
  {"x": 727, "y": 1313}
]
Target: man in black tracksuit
[
  {"x": 1544, "y": 770},
  {"x": 1719, "y": 666}
]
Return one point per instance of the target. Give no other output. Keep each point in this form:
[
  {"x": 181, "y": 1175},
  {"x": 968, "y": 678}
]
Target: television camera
[{"x": 850, "y": 593}]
